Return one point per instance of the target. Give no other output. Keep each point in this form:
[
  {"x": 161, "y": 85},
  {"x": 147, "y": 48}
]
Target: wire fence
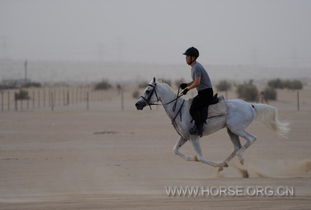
[{"x": 49, "y": 97}]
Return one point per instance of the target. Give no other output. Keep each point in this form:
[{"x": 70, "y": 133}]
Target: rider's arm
[{"x": 196, "y": 82}]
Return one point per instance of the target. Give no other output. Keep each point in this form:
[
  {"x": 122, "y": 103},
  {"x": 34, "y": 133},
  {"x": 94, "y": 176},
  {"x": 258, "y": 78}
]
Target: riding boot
[
  {"x": 197, "y": 129},
  {"x": 200, "y": 129}
]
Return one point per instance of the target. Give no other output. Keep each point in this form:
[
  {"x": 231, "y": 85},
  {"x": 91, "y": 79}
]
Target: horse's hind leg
[
  {"x": 237, "y": 145},
  {"x": 250, "y": 139}
]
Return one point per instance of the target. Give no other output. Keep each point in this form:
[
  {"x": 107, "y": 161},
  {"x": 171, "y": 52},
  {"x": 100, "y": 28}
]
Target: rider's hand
[
  {"x": 185, "y": 91},
  {"x": 183, "y": 85}
]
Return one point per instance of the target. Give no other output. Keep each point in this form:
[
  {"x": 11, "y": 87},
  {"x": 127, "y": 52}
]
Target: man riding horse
[{"x": 202, "y": 83}]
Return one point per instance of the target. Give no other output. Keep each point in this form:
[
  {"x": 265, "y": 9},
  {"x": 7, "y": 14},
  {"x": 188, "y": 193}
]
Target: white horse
[{"x": 239, "y": 115}]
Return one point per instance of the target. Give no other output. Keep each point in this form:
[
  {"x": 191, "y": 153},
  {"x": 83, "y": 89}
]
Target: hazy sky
[{"x": 263, "y": 32}]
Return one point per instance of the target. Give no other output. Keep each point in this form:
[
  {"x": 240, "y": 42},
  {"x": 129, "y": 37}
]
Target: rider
[{"x": 202, "y": 83}]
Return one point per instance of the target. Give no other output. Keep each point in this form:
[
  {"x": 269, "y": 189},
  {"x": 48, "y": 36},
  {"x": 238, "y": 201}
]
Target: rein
[{"x": 147, "y": 100}]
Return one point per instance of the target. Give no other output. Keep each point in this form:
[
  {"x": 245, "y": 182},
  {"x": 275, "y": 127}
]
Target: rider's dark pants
[{"x": 202, "y": 100}]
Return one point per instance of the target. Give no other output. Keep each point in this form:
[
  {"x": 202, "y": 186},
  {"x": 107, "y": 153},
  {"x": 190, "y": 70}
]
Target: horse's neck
[{"x": 166, "y": 95}]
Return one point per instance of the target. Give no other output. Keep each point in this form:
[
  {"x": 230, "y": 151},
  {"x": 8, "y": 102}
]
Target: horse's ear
[{"x": 154, "y": 79}]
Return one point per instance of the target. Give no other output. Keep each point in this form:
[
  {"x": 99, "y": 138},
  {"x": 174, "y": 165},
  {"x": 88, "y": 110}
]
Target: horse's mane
[
  {"x": 172, "y": 91},
  {"x": 168, "y": 87}
]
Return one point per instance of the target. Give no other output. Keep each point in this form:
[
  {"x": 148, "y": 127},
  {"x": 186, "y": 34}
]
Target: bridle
[
  {"x": 147, "y": 100},
  {"x": 154, "y": 91}
]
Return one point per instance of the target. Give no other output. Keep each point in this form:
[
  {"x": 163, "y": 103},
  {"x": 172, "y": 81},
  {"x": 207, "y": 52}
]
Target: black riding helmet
[{"x": 192, "y": 51}]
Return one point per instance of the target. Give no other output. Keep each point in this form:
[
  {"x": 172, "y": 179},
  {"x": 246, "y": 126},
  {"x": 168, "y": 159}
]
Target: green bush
[
  {"x": 223, "y": 85},
  {"x": 269, "y": 93},
  {"x": 22, "y": 95},
  {"x": 119, "y": 87},
  {"x": 103, "y": 85},
  {"x": 293, "y": 84},
  {"x": 179, "y": 81},
  {"x": 31, "y": 84},
  {"x": 9, "y": 84},
  {"x": 276, "y": 83},
  {"x": 289, "y": 84},
  {"x": 247, "y": 91}
]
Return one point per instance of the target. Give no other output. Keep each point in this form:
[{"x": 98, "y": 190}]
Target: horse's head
[{"x": 149, "y": 97}]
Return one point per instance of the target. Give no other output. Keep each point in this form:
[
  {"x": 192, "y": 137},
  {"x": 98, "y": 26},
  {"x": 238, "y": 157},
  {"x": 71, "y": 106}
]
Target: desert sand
[{"x": 108, "y": 158}]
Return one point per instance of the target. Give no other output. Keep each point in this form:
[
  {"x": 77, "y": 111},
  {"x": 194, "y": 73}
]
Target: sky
[{"x": 227, "y": 32}]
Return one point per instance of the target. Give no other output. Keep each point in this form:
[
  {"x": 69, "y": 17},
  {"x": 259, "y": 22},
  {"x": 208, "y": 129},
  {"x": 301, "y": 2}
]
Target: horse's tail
[{"x": 268, "y": 115}]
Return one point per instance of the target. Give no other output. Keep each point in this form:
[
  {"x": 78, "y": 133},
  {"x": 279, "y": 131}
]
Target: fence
[{"x": 49, "y": 97}]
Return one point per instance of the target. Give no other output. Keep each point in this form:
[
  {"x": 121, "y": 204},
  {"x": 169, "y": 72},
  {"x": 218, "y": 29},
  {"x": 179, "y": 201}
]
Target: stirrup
[{"x": 193, "y": 130}]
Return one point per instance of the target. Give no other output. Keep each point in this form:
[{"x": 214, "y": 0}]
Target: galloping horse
[{"x": 238, "y": 117}]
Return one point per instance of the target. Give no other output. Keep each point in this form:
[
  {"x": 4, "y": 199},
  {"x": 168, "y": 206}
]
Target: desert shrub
[
  {"x": 22, "y": 95},
  {"x": 179, "y": 81},
  {"x": 289, "y": 84},
  {"x": 9, "y": 84},
  {"x": 136, "y": 94},
  {"x": 119, "y": 87},
  {"x": 276, "y": 83},
  {"x": 32, "y": 84},
  {"x": 293, "y": 84},
  {"x": 103, "y": 85},
  {"x": 223, "y": 85},
  {"x": 247, "y": 91},
  {"x": 269, "y": 93}
]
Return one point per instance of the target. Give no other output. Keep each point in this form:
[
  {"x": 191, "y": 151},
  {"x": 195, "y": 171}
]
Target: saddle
[{"x": 217, "y": 107}]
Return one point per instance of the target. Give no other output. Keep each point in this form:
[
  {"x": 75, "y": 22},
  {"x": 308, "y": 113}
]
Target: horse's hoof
[
  {"x": 220, "y": 169},
  {"x": 196, "y": 158},
  {"x": 226, "y": 164}
]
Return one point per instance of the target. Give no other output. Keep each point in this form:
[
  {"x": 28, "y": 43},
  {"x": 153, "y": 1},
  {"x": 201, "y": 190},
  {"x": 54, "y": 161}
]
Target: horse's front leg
[
  {"x": 200, "y": 157},
  {"x": 176, "y": 148}
]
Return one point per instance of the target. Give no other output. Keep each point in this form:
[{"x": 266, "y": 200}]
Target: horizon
[{"x": 88, "y": 71}]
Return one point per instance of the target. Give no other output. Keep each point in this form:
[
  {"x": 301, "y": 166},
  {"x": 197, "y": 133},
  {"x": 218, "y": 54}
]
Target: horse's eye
[{"x": 147, "y": 91}]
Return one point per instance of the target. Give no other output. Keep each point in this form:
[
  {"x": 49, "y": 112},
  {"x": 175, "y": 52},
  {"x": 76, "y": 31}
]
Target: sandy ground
[{"x": 111, "y": 159}]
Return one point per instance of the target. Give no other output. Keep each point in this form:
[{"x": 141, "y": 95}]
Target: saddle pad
[{"x": 215, "y": 110}]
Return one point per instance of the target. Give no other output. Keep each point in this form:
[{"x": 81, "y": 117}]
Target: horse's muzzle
[{"x": 140, "y": 105}]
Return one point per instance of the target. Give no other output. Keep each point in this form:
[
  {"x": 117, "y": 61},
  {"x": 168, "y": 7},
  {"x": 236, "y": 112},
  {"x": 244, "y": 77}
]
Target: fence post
[
  {"x": 27, "y": 103},
  {"x": 52, "y": 101},
  {"x": 122, "y": 99},
  {"x": 15, "y": 101},
  {"x": 21, "y": 103},
  {"x": 87, "y": 100},
  {"x": 64, "y": 96},
  {"x": 298, "y": 103},
  {"x": 49, "y": 97},
  {"x": 39, "y": 98},
  {"x": 33, "y": 99},
  {"x": 2, "y": 102},
  {"x": 8, "y": 100},
  {"x": 43, "y": 96},
  {"x": 68, "y": 97}
]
